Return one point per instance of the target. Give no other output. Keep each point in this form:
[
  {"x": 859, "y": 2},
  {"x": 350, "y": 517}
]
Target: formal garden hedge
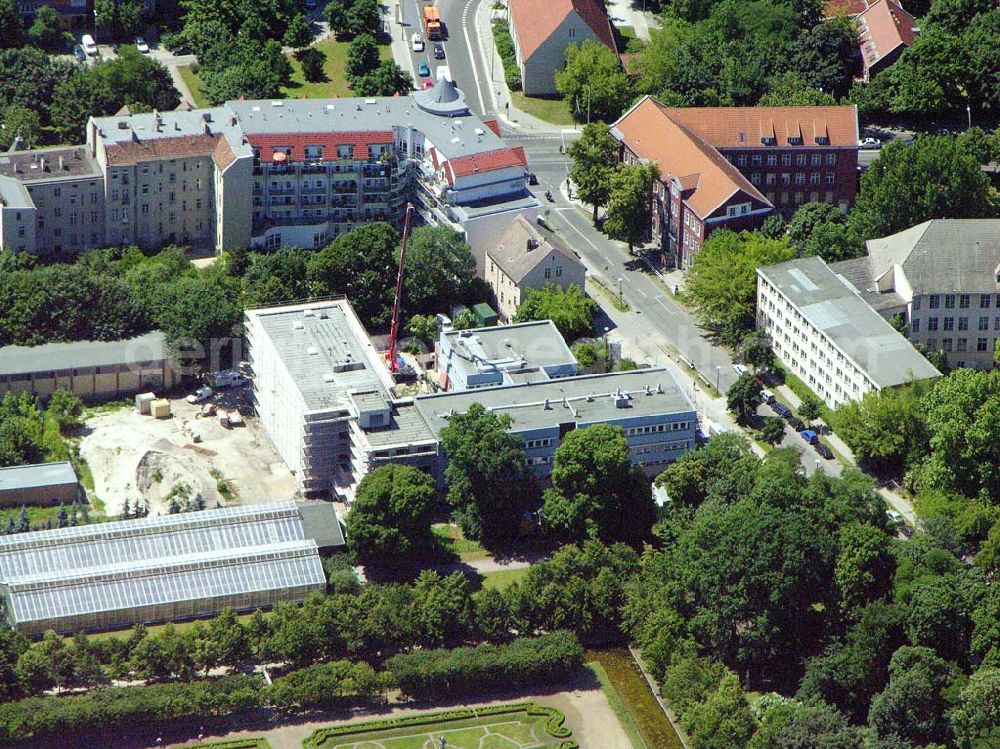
[
  {"x": 554, "y": 723},
  {"x": 249, "y": 743},
  {"x": 430, "y": 674}
]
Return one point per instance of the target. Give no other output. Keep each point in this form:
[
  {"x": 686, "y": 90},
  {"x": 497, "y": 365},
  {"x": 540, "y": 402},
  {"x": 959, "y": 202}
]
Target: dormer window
[
  {"x": 769, "y": 140},
  {"x": 822, "y": 140},
  {"x": 795, "y": 140}
]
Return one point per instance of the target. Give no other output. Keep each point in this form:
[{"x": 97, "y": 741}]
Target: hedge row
[
  {"x": 505, "y": 48},
  {"x": 428, "y": 674},
  {"x": 249, "y": 743},
  {"x": 554, "y": 723}
]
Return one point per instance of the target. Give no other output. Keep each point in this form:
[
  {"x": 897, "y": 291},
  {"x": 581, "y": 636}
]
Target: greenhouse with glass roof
[{"x": 165, "y": 568}]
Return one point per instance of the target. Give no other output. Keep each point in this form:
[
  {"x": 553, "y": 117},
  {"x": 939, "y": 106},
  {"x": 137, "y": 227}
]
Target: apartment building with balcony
[
  {"x": 732, "y": 167},
  {"x": 822, "y": 329},
  {"x": 264, "y": 174}
]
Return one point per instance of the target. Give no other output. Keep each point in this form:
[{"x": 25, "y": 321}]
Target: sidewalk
[{"x": 624, "y": 13}]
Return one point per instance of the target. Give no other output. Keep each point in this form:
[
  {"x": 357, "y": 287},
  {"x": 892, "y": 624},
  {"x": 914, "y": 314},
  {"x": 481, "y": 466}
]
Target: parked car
[
  {"x": 739, "y": 369},
  {"x": 796, "y": 423},
  {"x": 201, "y": 394},
  {"x": 78, "y": 53},
  {"x": 439, "y": 51},
  {"x": 823, "y": 450},
  {"x": 768, "y": 396},
  {"x": 423, "y": 70},
  {"x": 427, "y": 85},
  {"x": 809, "y": 436},
  {"x": 228, "y": 379},
  {"x": 89, "y": 45},
  {"x": 140, "y": 44},
  {"x": 871, "y": 143},
  {"x": 417, "y": 43},
  {"x": 894, "y": 517},
  {"x": 781, "y": 409},
  {"x": 906, "y": 530}
]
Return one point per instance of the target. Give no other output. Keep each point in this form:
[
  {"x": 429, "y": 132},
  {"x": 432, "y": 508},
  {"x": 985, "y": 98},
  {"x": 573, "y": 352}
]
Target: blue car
[
  {"x": 809, "y": 436},
  {"x": 423, "y": 70}
]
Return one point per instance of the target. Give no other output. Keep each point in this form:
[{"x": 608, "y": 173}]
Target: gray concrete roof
[
  {"x": 858, "y": 272},
  {"x": 52, "y": 356},
  {"x": 943, "y": 255},
  {"x": 37, "y": 475},
  {"x": 513, "y": 255},
  {"x": 451, "y": 136},
  {"x": 586, "y": 400},
  {"x": 831, "y": 305},
  {"x": 320, "y": 523},
  {"x": 13, "y": 194},
  {"x": 406, "y": 427},
  {"x": 326, "y": 351},
  {"x": 532, "y": 344},
  {"x": 43, "y": 164}
]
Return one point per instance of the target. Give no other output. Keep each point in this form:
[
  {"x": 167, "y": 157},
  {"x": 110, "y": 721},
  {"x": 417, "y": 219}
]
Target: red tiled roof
[
  {"x": 131, "y": 152},
  {"x": 268, "y": 142},
  {"x": 223, "y": 154},
  {"x": 502, "y": 158},
  {"x": 743, "y": 127},
  {"x": 493, "y": 125},
  {"x": 706, "y": 178},
  {"x": 534, "y": 21},
  {"x": 884, "y": 26}
]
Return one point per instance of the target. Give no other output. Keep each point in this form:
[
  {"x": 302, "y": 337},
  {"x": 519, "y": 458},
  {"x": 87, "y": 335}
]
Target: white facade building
[{"x": 828, "y": 336}]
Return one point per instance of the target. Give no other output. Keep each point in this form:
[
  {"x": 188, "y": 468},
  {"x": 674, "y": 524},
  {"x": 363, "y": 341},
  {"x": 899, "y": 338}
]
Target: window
[
  {"x": 786, "y": 159},
  {"x": 984, "y": 323},
  {"x": 964, "y": 301},
  {"x": 800, "y": 178},
  {"x": 831, "y": 159},
  {"x": 830, "y": 178},
  {"x": 770, "y": 178},
  {"x": 916, "y": 303},
  {"x": 963, "y": 323},
  {"x": 949, "y": 323},
  {"x": 915, "y": 326},
  {"x": 932, "y": 323},
  {"x": 741, "y": 159},
  {"x": 572, "y": 33},
  {"x": 800, "y": 159},
  {"x": 934, "y": 301},
  {"x": 963, "y": 344},
  {"x": 981, "y": 344},
  {"x": 786, "y": 179},
  {"x": 558, "y": 271},
  {"x": 755, "y": 159},
  {"x": 984, "y": 301},
  {"x": 817, "y": 159},
  {"x": 949, "y": 301},
  {"x": 814, "y": 178},
  {"x": 946, "y": 344},
  {"x": 772, "y": 159},
  {"x": 548, "y": 273},
  {"x": 755, "y": 178}
]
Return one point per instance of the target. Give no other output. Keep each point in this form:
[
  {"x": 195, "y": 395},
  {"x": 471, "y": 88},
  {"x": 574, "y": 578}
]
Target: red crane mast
[{"x": 394, "y": 329}]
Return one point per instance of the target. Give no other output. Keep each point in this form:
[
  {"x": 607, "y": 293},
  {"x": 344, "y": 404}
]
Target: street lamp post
[
  {"x": 621, "y": 298},
  {"x": 718, "y": 378},
  {"x": 968, "y": 111}
]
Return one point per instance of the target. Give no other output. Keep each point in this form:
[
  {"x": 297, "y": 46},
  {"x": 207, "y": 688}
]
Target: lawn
[
  {"x": 555, "y": 111},
  {"x": 336, "y": 82},
  {"x": 193, "y": 81},
  {"x": 518, "y": 726},
  {"x": 155, "y": 629},
  {"x": 504, "y": 578},
  {"x": 451, "y": 538}
]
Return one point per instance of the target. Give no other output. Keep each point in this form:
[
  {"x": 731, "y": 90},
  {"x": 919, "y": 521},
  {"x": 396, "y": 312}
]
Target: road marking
[
  {"x": 644, "y": 294},
  {"x": 472, "y": 55}
]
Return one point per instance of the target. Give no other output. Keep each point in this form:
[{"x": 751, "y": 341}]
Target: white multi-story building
[
  {"x": 828, "y": 336},
  {"x": 943, "y": 278},
  {"x": 265, "y": 173}
]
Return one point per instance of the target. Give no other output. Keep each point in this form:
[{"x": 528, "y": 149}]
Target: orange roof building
[
  {"x": 733, "y": 167},
  {"x": 885, "y": 31},
  {"x": 543, "y": 29}
]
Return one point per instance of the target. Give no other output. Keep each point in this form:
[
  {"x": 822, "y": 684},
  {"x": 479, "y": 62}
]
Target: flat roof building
[
  {"x": 503, "y": 355},
  {"x": 91, "y": 369},
  {"x": 829, "y": 337},
  {"x": 163, "y": 568},
  {"x": 39, "y": 484}
]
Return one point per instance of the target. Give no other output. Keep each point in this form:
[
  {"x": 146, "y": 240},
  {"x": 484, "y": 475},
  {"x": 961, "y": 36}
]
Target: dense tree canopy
[
  {"x": 630, "y": 200},
  {"x": 570, "y": 309},
  {"x": 593, "y": 82},
  {"x": 593, "y": 155}
]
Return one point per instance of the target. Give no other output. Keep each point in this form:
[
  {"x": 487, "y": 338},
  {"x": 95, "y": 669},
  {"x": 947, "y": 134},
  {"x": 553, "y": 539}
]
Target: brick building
[{"x": 732, "y": 167}]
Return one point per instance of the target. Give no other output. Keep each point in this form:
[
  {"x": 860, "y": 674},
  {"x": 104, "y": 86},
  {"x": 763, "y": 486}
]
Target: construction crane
[{"x": 394, "y": 329}]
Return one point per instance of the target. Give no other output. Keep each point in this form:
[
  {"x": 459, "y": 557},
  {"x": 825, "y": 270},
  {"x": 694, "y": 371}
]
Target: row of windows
[
  {"x": 533, "y": 444},
  {"x": 801, "y": 159},
  {"x": 771, "y": 178},
  {"x": 962, "y": 344},
  {"x": 948, "y": 323},
  {"x": 964, "y": 301},
  {"x": 653, "y": 428},
  {"x": 799, "y": 197}
]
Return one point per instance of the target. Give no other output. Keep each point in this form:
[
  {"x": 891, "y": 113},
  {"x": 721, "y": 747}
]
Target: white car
[
  {"x": 739, "y": 369},
  {"x": 140, "y": 44},
  {"x": 89, "y": 45},
  {"x": 228, "y": 379},
  {"x": 417, "y": 42},
  {"x": 199, "y": 395},
  {"x": 871, "y": 143}
]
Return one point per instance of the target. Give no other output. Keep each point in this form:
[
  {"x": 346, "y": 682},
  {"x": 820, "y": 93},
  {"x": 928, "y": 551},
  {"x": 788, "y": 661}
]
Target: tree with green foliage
[
  {"x": 772, "y": 430},
  {"x": 47, "y": 32},
  {"x": 911, "y": 707},
  {"x": 387, "y": 79},
  {"x": 362, "y": 57},
  {"x": 335, "y": 13},
  {"x": 390, "y": 519},
  {"x": 810, "y": 408},
  {"x": 977, "y": 143},
  {"x": 722, "y": 281},
  {"x": 440, "y": 270},
  {"x": 723, "y": 719},
  {"x": 792, "y": 724},
  {"x": 807, "y": 220},
  {"x": 312, "y": 61},
  {"x": 569, "y": 308},
  {"x": 489, "y": 484},
  {"x": 630, "y": 203},
  {"x": 424, "y": 327},
  {"x": 299, "y": 33},
  {"x": 789, "y": 89},
  {"x": 865, "y": 566},
  {"x": 20, "y": 121},
  {"x": 755, "y": 349},
  {"x": 743, "y": 398},
  {"x": 593, "y": 83},
  {"x": 65, "y": 407},
  {"x": 886, "y": 429},
  {"x": 693, "y": 477},
  {"x": 594, "y": 155},
  {"x": 466, "y": 320},
  {"x": 826, "y": 56},
  {"x": 938, "y": 617},
  {"x": 976, "y": 718},
  {"x": 595, "y": 493},
  {"x": 932, "y": 177},
  {"x": 118, "y": 20},
  {"x": 364, "y": 17},
  {"x": 11, "y": 25}
]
